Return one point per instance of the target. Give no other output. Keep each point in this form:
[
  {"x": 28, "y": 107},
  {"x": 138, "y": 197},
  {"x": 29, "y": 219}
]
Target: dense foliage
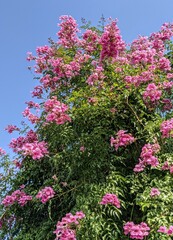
[{"x": 97, "y": 161}]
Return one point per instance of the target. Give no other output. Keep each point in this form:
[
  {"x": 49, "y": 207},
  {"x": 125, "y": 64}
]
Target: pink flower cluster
[
  {"x": 111, "y": 41},
  {"x": 152, "y": 94},
  {"x": 64, "y": 229},
  {"x": 167, "y": 166},
  {"x": 31, "y": 117},
  {"x": 164, "y": 229},
  {"x": 110, "y": 198},
  {"x": 167, "y": 104},
  {"x": 96, "y": 76},
  {"x": 164, "y": 64},
  {"x": 166, "y": 128},
  {"x": 37, "y": 92},
  {"x": 147, "y": 157},
  {"x": 154, "y": 192},
  {"x": 2, "y": 151},
  {"x": 138, "y": 79},
  {"x": 143, "y": 56},
  {"x": 16, "y": 144},
  {"x": 136, "y": 231},
  {"x": 90, "y": 41},
  {"x": 56, "y": 111},
  {"x": 18, "y": 196},
  {"x": 45, "y": 194},
  {"x": 122, "y": 139},
  {"x": 36, "y": 149},
  {"x": 11, "y": 128},
  {"x": 32, "y": 104},
  {"x": 68, "y": 32},
  {"x": 29, "y": 146}
]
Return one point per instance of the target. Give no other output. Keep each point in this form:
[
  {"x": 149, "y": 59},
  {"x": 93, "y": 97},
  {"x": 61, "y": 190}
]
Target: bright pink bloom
[
  {"x": 170, "y": 76},
  {"x": 31, "y": 117},
  {"x": 111, "y": 41},
  {"x": 162, "y": 229},
  {"x": 136, "y": 231},
  {"x": 68, "y": 32},
  {"x": 122, "y": 139},
  {"x": 90, "y": 41},
  {"x": 170, "y": 230},
  {"x": 165, "y": 166},
  {"x": 56, "y": 111},
  {"x": 2, "y": 151},
  {"x": 36, "y": 149},
  {"x": 64, "y": 228},
  {"x": 152, "y": 94},
  {"x": 38, "y": 91},
  {"x": 147, "y": 157},
  {"x": 164, "y": 64},
  {"x": 32, "y": 104},
  {"x": 171, "y": 169},
  {"x": 154, "y": 192},
  {"x": 96, "y": 76},
  {"x": 11, "y": 128},
  {"x": 18, "y": 196},
  {"x": 110, "y": 198},
  {"x": 139, "y": 79},
  {"x": 45, "y": 194},
  {"x": 166, "y": 128}
]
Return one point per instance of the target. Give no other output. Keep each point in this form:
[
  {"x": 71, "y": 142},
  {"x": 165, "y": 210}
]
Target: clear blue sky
[{"x": 26, "y": 24}]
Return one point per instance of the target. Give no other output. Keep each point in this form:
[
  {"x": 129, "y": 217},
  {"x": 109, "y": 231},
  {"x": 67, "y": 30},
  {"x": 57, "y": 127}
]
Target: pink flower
[
  {"x": 164, "y": 64},
  {"x": 136, "y": 231},
  {"x": 110, "y": 198},
  {"x": 56, "y": 111},
  {"x": 170, "y": 230},
  {"x": 36, "y": 149},
  {"x": 90, "y": 41},
  {"x": 111, "y": 41},
  {"x": 82, "y": 149},
  {"x": 38, "y": 91},
  {"x": 11, "y": 128},
  {"x": 45, "y": 194},
  {"x": 64, "y": 229},
  {"x": 152, "y": 94},
  {"x": 147, "y": 157},
  {"x": 122, "y": 139},
  {"x": 162, "y": 229},
  {"x": 171, "y": 169},
  {"x": 31, "y": 117},
  {"x": 18, "y": 196},
  {"x": 96, "y": 76},
  {"x": 165, "y": 166},
  {"x": 68, "y": 32},
  {"x": 166, "y": 128},
  {"x": 2, "y": 151},
  {"x": 154, "y": 192}
]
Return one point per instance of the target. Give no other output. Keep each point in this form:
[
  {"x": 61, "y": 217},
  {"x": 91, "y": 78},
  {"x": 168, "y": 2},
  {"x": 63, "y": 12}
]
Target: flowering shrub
[{"x": 102, "y": 123}]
